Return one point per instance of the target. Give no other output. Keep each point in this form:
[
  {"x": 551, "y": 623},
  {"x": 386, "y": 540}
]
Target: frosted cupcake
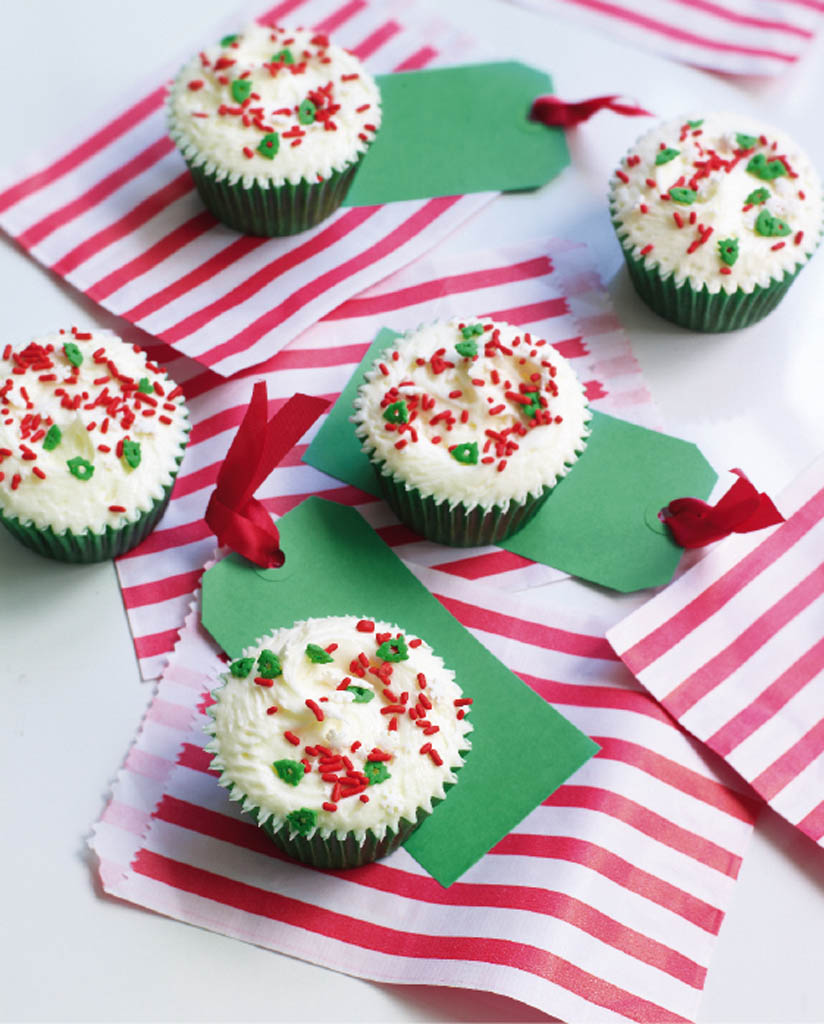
[
  {"x": 338, "y": 735},
  {"x": 91, "y": 437},
  {"x": 273, "y": 123},
  {"x": 469, "y": 424},
  {"x": 716, "y": 217}
]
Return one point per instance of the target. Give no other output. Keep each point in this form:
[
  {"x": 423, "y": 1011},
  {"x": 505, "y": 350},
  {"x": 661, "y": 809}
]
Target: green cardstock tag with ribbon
[
  {"x": 451, "y": 131},
  {"x": 601, "y": 521},
  {"x": 337, "y": 565}
]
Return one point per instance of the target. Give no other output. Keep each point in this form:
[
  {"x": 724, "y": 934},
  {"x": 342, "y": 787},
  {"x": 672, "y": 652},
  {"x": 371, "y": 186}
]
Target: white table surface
[{"x": 72, "y": 695}]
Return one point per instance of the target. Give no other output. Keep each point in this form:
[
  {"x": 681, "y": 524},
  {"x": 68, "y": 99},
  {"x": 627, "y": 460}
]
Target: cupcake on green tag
[
  {"x": 338, "y": 735},
  {"x": 469, "y": 424},
  {"x": 91, "y": 437},
  {"x": 273, "y": 123},
  {"x": 716, "y": 216}
]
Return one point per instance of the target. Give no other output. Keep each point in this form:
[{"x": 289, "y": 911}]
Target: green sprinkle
[
  {"x": 472, "y": 331},
  {"x": 683, "y": 195},
  {"x": 467, "y": 348},
  {"x": 144, "y": 385},
  {"x": 663, "y": 156},
  {"x": 362, "y": 694},
  {"x": 466, "y": 453},
  {"x": 52, "y": 438},
  {"x": 303, "y": 820},
  {"x": 769, "y": 226},
  {"x": 376, "y": 772},
  {"x": 268, "y": 665},
  {"x": 695, "y": 124},
  {"x": 397, "y": 412},
  {"x": 228, "y": 40},
  {"x": 73, "y": 353},
  {"x": 306, "y": 112},
  {"x": 758, "y": 196},
  {"x": 283, "y": 57},
  {"x": 81, "y": 468},
  {"x": 242, "y": 667},
  {"x": 728, "y": 250},
  {"x": 534, "y": 407},
  {"x": 318, "y": 655},
  {"x": 393, "y": 650},
  {"x": 241, "y": 88},
  {"x": 766, "y": 169},
  {"x": 269, "y": 145},
  {"x": 746, "y": 141},
  {"x": 290, "y": 771},
  {"x": 131, "y": 453}
]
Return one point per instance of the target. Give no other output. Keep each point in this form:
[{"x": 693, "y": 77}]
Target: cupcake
[
  {"x": 716, "y": 216},
  {"x": 338, "y": 735},
  {"x": 91, "y": 437},
  {"x": 468, "y": 425},
  {"x": 273, "y": 123}
]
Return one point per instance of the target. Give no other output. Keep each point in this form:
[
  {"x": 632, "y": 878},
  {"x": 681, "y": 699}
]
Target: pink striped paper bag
[
  {"x": 118, "y": 217},
  {"x": 602, "y": 905},
  {"x": 734, "y": 650},
  {"x": 738, "y": 37},
  {"x": 548, "y": 288}
]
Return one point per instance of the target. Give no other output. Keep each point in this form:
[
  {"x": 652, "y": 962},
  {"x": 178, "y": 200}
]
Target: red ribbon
[
  {"x": 693, "y": 523},
  {"x": 558, "y": 113},
  {"x": 237, "y": 518}
]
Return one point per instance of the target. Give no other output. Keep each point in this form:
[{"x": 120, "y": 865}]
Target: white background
[{"x": 72, "y": 698}]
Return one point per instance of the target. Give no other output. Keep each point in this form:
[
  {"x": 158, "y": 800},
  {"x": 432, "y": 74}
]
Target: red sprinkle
[
  {"x": 114, "y": 508},
  {"x": 292, "y": 738},
  {"x": 264, "y": 682},
  {"x": 646, "y": 249},
  {"x": 315, "y": 709},
  {"x": 622, "y": 176}
]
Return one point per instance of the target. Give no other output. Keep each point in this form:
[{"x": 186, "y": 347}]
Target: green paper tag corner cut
[
  {"x": 331, "y": 543},
  {"x": 453, "y": 131},
  {"x": 593, "y": 524}
]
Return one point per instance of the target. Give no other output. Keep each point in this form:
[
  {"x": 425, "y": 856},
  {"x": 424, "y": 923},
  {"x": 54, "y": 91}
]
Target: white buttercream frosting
[
  {"x": 721, "y": 160},
  {"x": 55, "y": 417},
  {"x": 319, "y": 103},
  {"x": 258, "y": 751},
  {"x": 454, "y": 400}
]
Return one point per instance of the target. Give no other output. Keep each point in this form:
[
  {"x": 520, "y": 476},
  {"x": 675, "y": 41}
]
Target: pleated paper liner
[
  {"x": 277, "y": 210},
  {"x": 702, "y": 310},
  {"x": 338, "y": 854},
  {"x": 458, "y": 525},
  {"x": 88, "y": 546}
]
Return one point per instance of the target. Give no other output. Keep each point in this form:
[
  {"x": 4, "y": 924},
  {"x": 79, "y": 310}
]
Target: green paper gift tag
[
  {"x": 450, "y": 131},
  {"x": 600, "y": 522},
  {"x": 327, "y": 547}
]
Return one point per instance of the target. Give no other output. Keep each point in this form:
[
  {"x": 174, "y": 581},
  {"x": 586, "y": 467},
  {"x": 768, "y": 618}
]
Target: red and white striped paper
[
  {"x": 548, "y": 288},
  {"x": 603, "y": 904},
  {"x": 734, "y": 650},
  {"x": 117, "y": 215},
  {"x": 739, "y": 37}
]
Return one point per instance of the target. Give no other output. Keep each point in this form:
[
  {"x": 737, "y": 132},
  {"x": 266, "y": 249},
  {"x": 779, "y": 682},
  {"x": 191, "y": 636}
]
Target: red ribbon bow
[
  {"x": 555, "y": 112},
  {"x": 237, "y": 518},
  {"x": 693, "y": 523}
]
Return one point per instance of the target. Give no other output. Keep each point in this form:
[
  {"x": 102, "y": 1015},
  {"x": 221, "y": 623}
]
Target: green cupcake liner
[
  {"x": 338, "y": 854},
  {"x": 701, "y": 310},
  {"x": 458, "y": 526},
  {"x": 88, "y": 547},
  {"x": 277, "y": 210}
]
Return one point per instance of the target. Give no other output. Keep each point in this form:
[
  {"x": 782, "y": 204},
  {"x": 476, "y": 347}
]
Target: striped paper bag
[
  {"x": 116, "y": 214},
  {"x": 734, "y": 650},
  {"x": 602, "y": 905},
  {"x": 737, "y": 37},
  {"x": 548, "y": 288}
]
